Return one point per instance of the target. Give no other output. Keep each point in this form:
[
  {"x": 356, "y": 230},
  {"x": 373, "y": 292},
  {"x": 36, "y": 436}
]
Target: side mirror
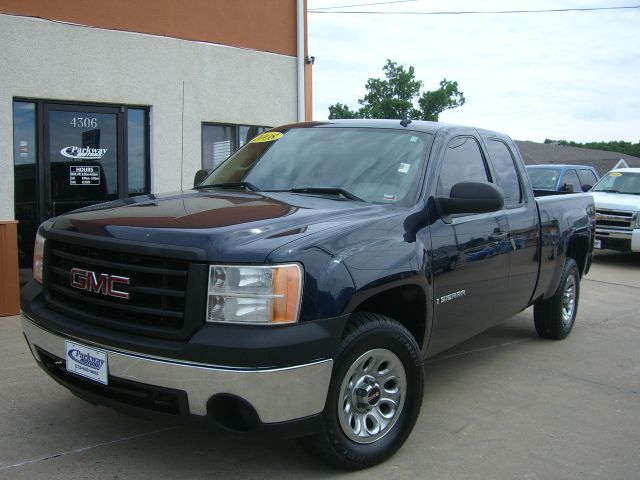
[
  {"x": 586, "y": 187},
  {"x": 566, "y": 188},
  {"x": 472, "y": 197},
  {"x": 200, "y": 176}
]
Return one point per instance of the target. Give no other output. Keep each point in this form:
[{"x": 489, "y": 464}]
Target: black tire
[
  {"x": 354, "y": 435},
  {"x": 555, "y": 316}
]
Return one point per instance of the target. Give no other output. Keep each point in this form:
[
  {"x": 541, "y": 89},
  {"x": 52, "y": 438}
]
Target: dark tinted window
[
  {"x": 70, "y": 130},
  {"x": 505, "y": 170},
  {"x": 570, "y": 182},
  {"x": 463, "y": 162},
  {"x": 137, "y": 151},
  {"x": 587, "y": 177},
  {"x": 25, "y": 154}
]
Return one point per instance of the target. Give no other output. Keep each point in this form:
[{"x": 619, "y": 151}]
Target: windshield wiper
[
  {"x": 329, "y": 190},
  {"x": 608, "y": 190},
  {"x": 245, "y": 185}
]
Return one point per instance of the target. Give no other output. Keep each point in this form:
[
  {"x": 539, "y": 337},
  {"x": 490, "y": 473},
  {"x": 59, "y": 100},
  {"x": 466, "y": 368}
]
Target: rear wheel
[
  {"x": 374, "y": 397},
  {"x": 554, "y": 317}
]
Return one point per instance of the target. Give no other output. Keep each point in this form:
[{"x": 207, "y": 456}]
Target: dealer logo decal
[
  {"x": 83, "y": 152},
  {"x": 85, "y": 359}
]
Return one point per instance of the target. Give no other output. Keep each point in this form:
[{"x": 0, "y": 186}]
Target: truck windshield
[
  {"x": 619, "y": 182},
  {"x": 544, "y": 178},
  {"x": 371, "y": 164}
]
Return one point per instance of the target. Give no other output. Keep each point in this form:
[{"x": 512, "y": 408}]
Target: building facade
[{"x": 105, "y": 100}]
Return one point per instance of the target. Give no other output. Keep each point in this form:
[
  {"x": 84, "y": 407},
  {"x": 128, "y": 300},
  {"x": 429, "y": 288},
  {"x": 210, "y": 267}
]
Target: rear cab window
[
  {"x": 570, "y": 182},
  {"x": 504, "y": 168},
  {"x": 544, "y": 178}
]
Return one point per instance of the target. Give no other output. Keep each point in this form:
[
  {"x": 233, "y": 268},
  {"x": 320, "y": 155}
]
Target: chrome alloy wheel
[
  {"x": 372, "y": 396},
  {"x": 568, "y": 301}
]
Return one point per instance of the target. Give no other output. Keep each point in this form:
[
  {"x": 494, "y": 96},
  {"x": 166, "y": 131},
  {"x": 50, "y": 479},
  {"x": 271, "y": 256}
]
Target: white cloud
[{"x": 573, "y": 75}]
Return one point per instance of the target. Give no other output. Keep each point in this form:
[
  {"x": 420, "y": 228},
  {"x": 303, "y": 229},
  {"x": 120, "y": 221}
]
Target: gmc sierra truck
[{"x": 298, "y": 288}]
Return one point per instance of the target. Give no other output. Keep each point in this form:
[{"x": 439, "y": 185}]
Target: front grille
[
  {"x": 615, "y": 219},
  {"x": 157, "y": 290}
]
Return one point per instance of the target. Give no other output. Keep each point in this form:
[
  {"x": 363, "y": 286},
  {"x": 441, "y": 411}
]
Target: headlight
[
  {"x": 250, "y": 294},
  {"x": 637, "y": 219},
  {"x": 38, "y": 256}
]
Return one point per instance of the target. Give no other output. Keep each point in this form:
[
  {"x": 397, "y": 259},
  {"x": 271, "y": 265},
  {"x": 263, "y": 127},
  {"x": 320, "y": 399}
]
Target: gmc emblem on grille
[{"x": 103, "y": 283}]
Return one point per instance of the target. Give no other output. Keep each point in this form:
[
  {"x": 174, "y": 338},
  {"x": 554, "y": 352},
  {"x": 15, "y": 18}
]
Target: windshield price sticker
[
  {"x": 86, "y": 362},
  {"x": 84, "y": 175},
  {"x": 267, "y": 137}
]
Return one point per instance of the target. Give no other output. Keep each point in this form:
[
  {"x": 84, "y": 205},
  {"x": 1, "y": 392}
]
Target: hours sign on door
[{"x": 84, "y": 175}]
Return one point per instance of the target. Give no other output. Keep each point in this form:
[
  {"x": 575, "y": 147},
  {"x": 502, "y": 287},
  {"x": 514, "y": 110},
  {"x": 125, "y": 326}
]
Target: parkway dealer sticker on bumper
[{"x": 87, "y": 362}]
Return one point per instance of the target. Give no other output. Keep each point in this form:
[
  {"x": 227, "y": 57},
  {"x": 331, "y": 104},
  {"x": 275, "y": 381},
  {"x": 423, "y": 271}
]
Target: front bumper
[
  {"x": 617, "y": 239},
  {"x": 276, "y": 394}
]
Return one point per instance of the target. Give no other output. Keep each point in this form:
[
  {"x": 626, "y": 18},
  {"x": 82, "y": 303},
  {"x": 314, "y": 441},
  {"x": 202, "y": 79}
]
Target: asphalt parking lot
[{"x": 504, "y": 405}]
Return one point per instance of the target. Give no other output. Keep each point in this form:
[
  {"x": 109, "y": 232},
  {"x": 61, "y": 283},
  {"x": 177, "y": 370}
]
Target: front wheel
[
  {"x": 375, "y": 394},
  {"x": 555, "y": 316}
]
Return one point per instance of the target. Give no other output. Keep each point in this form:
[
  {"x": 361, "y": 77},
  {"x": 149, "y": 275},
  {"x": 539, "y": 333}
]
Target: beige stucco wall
[{"x": 56, "y": 61}]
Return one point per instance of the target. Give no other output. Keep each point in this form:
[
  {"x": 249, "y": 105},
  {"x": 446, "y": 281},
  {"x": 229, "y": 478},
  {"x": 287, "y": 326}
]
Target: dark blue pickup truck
[{"x": 298, "y": 288}]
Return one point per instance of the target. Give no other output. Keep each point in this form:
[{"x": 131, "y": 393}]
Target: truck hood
[
  {"x": 617, "y": 201},
  {"x": 227, "y": 226}
]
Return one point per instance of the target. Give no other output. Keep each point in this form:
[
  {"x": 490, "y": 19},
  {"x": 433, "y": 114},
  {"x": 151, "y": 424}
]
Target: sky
[{"x": 561, "y": 75}]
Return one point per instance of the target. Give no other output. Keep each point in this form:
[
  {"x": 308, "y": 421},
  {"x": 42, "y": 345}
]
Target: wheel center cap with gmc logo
[
  {"x": 367, "y": 395},
  {"x": 373, "y": 397}
]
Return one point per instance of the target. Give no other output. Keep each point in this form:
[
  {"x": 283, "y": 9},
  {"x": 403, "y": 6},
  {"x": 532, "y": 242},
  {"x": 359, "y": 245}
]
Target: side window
[
  {"x": 571, "y": 181},
  {"x": 462, "y": 162},
  {"x": 587, "y": 177},
  {"x": 506, "y": 174}
]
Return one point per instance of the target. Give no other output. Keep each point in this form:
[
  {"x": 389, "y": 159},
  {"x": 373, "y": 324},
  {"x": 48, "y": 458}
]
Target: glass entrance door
[
  {"x": 69, "y": 156},
  {"x": 82, "y": 157}
]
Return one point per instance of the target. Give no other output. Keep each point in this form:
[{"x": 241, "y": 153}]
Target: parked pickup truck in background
[
  {"x": 555, "y": 179},
  {"x": 617, "y": 199},
  {"x": 298, "y": 288}
]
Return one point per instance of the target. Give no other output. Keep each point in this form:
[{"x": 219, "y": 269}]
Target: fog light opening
[{"x": 232, "y": 413}]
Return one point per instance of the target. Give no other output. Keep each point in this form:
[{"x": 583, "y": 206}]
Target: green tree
[
  {"x": 399, "y": 94},
  {"x": 342, "y": 111},
  {"x": 620, "y": 146}
]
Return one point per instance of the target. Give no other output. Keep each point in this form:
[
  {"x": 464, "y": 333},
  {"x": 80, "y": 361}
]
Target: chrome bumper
[
  {"x": 278, "y": 395},
  {"x": 610, "y": 233},
  {"x": 633, "y": 236}
]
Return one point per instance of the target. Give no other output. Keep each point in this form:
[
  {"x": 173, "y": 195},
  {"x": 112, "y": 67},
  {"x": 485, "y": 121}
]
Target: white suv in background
[{"x": 617, "y": 199}]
